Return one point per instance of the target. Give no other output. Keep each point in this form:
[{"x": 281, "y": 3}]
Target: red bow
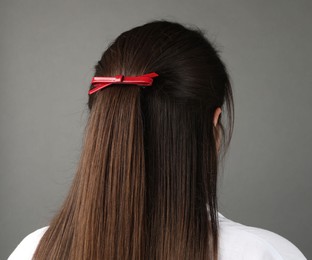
[{"x": 102, "y": 82}]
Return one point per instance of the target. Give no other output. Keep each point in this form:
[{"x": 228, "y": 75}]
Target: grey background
[{"x": 47, "y": 53}]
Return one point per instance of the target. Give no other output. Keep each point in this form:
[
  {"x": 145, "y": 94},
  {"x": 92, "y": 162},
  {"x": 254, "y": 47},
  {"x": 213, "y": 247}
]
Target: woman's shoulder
[
  {"x": 26, "y": 248},
  {"x": 239, "y": 241}
]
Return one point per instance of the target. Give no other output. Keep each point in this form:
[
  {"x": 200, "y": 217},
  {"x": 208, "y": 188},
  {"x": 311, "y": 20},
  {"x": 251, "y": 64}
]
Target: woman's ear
[
  {"x": 216, "y": 115},
  {"x": 216, "y": 128}
]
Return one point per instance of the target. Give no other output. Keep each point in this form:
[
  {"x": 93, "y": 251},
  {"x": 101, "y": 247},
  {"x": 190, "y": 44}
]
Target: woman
[{"x": 146, "y": 183}]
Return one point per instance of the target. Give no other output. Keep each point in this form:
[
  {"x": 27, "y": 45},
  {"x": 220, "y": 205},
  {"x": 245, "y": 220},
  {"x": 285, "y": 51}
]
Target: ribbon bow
[{"x": 102, "y": 82}]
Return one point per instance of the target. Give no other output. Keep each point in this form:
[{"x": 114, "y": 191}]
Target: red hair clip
[{"x": 102, "y": 82}]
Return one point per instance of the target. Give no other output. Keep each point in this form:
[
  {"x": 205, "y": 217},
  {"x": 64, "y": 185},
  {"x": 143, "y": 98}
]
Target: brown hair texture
[{"x": 146, "y": 181}]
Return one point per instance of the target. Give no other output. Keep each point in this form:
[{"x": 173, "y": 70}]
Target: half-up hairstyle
[{"x": 146, "y": 182}]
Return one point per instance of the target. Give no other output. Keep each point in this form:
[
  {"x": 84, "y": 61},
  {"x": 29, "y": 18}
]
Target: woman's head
[
  {"x": 192, "y": 75},
  {"x": 148, "y": 168}
]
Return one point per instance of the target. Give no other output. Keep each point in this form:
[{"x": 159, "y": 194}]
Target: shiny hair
[{"x": 146, "y": 182}]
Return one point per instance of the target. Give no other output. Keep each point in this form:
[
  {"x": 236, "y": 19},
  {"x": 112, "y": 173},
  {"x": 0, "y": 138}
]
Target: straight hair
[{"x": 146, "y": 181}]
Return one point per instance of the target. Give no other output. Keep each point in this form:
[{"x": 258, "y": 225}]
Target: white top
[{"x": 237, "y": 242}]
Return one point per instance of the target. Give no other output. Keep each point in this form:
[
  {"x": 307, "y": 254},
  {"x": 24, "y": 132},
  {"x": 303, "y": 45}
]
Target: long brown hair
[{"x": 146, "y": 182}]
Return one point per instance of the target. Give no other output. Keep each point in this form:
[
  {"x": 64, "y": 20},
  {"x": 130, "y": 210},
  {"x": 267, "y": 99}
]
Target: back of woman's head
[{"x": 146, "y": 183}]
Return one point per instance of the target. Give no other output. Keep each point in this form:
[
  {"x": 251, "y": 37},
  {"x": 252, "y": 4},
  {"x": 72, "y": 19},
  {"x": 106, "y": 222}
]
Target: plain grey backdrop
[{"x": 47, "y": 53}]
